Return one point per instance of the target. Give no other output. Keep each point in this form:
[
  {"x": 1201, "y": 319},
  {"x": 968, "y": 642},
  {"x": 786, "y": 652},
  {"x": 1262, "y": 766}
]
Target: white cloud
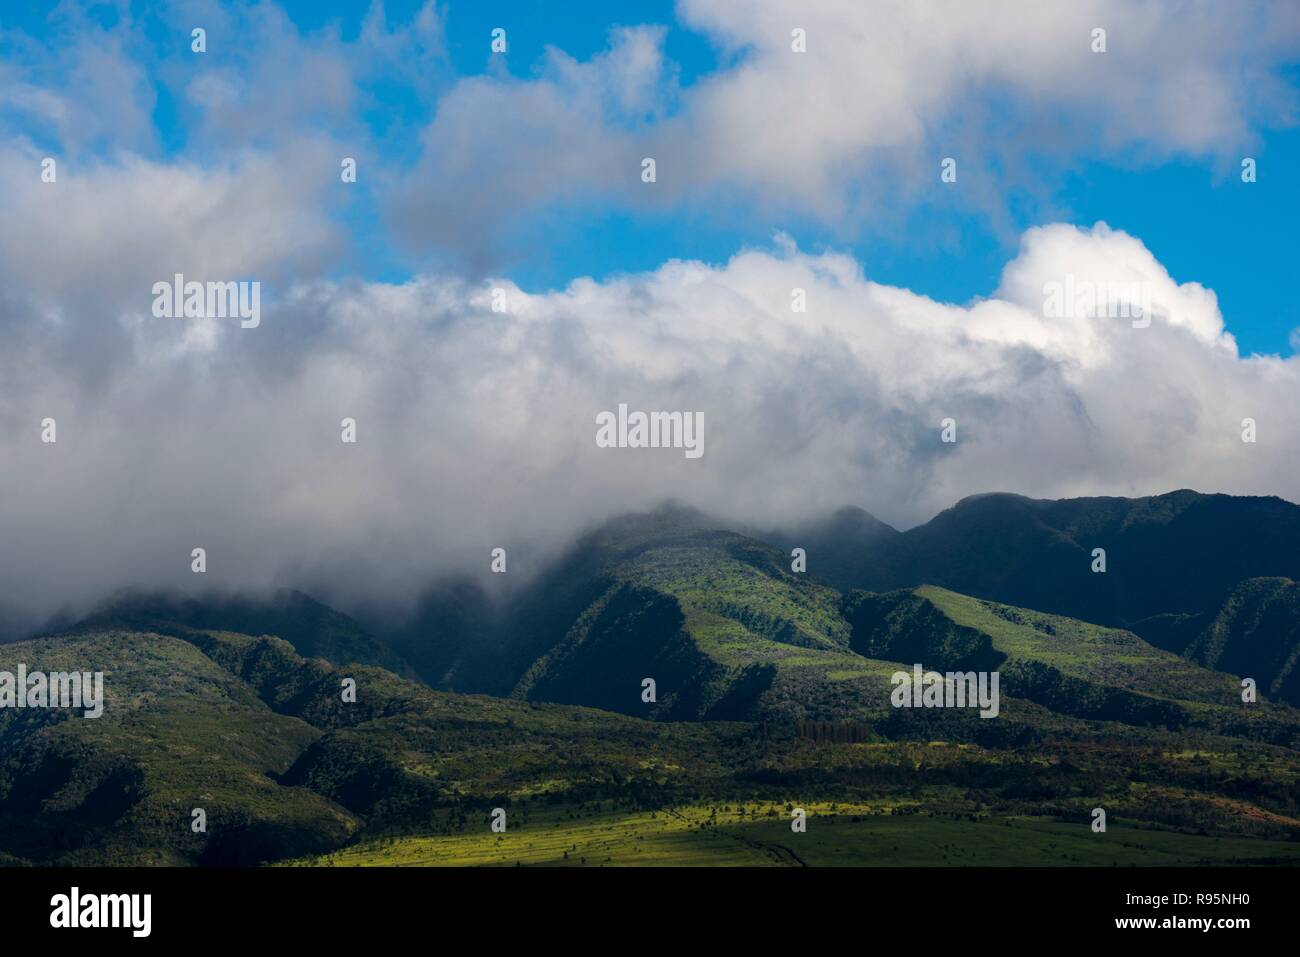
[
  {"x": 856, "y": 126},
  {"x": 84, "y": 93},
  {"x": 477, "y": 428},
  {"x": 498, "y": 148}
]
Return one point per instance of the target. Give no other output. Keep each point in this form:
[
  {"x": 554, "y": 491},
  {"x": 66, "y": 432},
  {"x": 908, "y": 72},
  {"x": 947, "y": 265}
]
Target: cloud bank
[{"x": 476, "y": 428}]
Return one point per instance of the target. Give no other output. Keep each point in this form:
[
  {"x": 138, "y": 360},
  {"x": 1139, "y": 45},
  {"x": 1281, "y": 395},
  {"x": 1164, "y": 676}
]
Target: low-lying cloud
[{"x": 477, "y": 428}]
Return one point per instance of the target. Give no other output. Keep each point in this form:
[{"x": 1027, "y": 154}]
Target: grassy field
[{"x": 759, "y": 835}]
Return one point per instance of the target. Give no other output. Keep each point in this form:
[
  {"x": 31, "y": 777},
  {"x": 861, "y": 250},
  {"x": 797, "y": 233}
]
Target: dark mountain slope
[
  {"x": 313, "y": 629},
  {"x": 1255, "y": 633},
  {"x": 1181, "y": 552},
  {"x": 450, "y": 635},
  {"x": 846, "y": 548}
]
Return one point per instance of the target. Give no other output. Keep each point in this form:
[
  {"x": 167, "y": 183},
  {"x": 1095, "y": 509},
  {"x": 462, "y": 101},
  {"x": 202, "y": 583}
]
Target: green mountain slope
[
  {"x": 713, "y": 617},
  {"x": 772, "y": 688},
  {"x": 728, "y": 632},
  {"x": 583, "y": 786},
  {"x": 177, "y": 732},
  {"x": 1067, "y": 666},
  {"x": 1255, "y": 632},
  {"x": 287, "y": 769},
  {"x": 262, "y": 740}
]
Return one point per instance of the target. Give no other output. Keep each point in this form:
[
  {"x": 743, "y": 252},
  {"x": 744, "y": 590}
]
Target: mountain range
[
  {"x": 668, "y": 669},
  {"x": 1174, "y": 565}
]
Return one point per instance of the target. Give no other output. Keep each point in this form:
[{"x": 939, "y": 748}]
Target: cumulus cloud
[
  {"x": 264, "y": 80},
  {"x": 477, "y": 428},
  {"x": 79, "y": 257},
  {"x": 84, "y": 88},
  {"x": 498, "y": 147},
  {"x": 854, "y": 128}
]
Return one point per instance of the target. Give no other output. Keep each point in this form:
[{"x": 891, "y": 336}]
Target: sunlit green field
[{"x": 761, "y": 835}]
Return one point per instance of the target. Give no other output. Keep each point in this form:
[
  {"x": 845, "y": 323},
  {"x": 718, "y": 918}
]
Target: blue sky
[{"x": 1191, "y": 209}]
